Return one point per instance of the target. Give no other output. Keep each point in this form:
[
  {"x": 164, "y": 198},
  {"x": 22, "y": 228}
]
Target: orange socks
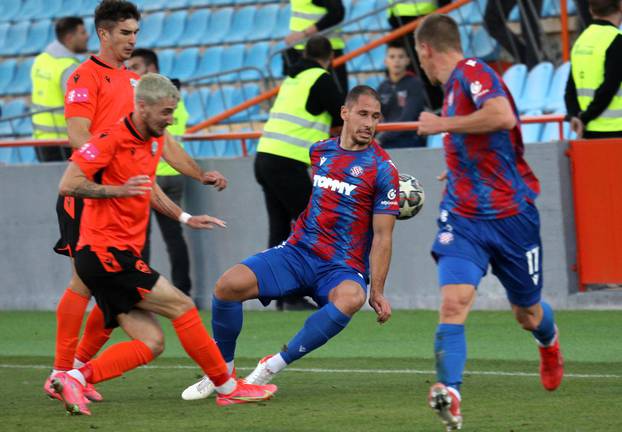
[
  {"x": 69, "y": 316},
  {"x": 114, "y": 361},
  {"x": 94, "y": 337},
  {"x": 200, "y": 346}
]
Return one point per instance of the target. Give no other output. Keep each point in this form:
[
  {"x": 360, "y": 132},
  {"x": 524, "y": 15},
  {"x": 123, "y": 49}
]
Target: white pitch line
[{"x": 353, "y": 371}]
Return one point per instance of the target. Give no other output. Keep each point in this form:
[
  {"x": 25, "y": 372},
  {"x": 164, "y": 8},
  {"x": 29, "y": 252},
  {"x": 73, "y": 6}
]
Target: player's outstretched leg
[
  {"x": 346, "y": 299},
  {"x": 540, "y": 320},
  {"x": 227, "y": 320}
]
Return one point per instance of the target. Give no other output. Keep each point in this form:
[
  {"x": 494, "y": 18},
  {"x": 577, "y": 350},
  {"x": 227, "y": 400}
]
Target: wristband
[{"x": 184, "y": 217}]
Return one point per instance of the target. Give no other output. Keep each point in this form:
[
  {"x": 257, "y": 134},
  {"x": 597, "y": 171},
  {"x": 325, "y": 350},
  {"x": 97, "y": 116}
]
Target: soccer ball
[{"x": 411, "y": 196}]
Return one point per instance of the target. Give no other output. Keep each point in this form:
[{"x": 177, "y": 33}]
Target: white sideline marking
[{"x": 354, "y": 371}]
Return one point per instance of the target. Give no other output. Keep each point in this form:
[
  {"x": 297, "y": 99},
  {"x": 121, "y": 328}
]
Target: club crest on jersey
[
  {"x": 133, "y": 82},
  {"x": 322, "y": 160},
  {"x": 476, "y": 87},
  {"x": 445, "y": 238},
  {"x": 154, "y": 147},
  {"x": 356, "y": 171},
  {"x": 334, "y": 185}
]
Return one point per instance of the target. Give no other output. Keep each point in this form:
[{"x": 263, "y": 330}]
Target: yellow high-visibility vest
[
  {"x": 177, "y": 130},
  {"x": 291, "y": 129},
  {"x": 47, "y": 93},
  {"x": 587, "y": 60},
  {"x": 304, "y": 14},
  {"x": 411, "y": 8}
]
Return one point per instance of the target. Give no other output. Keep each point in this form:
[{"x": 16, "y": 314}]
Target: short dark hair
[
  {"x": 67, "y": 25},
  {"x": 603, "y": 8},
  {"x": 109, "y": 12},
  {"x": 148, "y": 56},
  {"x": 396, "y": 43},
  {"x": 318, "y": 48},
  {"x": 358, "y": 91},
  {"x": 440, "y": 32}
]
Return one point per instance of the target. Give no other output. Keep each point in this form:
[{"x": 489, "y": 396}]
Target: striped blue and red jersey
[
  {"x": 349, "y": 187},
  {"x": 487, "y": 175}
]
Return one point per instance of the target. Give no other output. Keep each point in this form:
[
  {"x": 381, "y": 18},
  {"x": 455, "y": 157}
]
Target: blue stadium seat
[
  {"x": 93, "y": 43},
  {"x": 484, "y": 46},
  {"x": 241, "y": 25},
  {"x": 51, "y": 9},
  {"x": 196, "y": 25},
  {"x": 256, "y": 56},
  {"x": 193, "y": 3},
  {"x": 165, "y": 59},
  {"x": 32, "y": 9},
  {"x": 4, "y": 30},
  {"x": 514, "y": 79},
  {"x": 25, "y": 128},
  {"x": 555, "y": 99},
  {"x": 233, "y": 59},
  {"x": 174, "y": 26},
  {"x": 352, "y": 81},
  {"x": 276, "y": 65},
  {"x": 536, "y": 88},
  {"x": 210, "y": 61},
  {"x": 552, "y": 8},
  {"x": 550, "y": 132},
  {"x": 466, "y": 39},
  {"x": 435, "y": 141},
  {"x": 24, "y": 155},
  {"x": 16, "y": 38},
  {"x": 195, "y": 107},
  {"x": 242, "y": 94},
  {"x": 88, "y": 7},
  {"x": 358, "y": 9},
  {"x": 153, "y": 5},
  {"x": 219, "y": 24},
  {"x": 7, "y": 71},
  {"x": 282, "y": 24},
  {"x": 21, "y": 83},
  {"x": 175, "y": 4},
  {"x": 9, "y": 10},
  {"x": 38, "y": 37},
  {"x": 217, "y": 102},
  {"x": 374, "y": 81},
  {"x": 185, "y": 64},
  {"x": 265, "y": 22},
  {"x": 151, "y": 29},
  {"x": 70, "y": 8},
  {"x": 531, "y": 132},
  {"x": 5, "y": 155},
  {"x": 16, "y": 107},
  {"x": 470, "y": 13}
]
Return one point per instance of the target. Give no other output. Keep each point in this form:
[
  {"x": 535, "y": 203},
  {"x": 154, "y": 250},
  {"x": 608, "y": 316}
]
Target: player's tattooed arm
[
  {"x": 161, "y": 203},
  {"x": 380, "y": 258},
  {"x": 75, "y": 183}
]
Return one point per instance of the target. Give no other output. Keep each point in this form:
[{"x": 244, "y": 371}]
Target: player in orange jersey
[
  {"x": 99, "y": 93},
  {"x": 112, "y": 235}
]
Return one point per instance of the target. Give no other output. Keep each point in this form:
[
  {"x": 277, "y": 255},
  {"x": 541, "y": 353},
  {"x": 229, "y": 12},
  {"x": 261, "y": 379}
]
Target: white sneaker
[
  {"x": 261, "y": 375},
  {"x": 199, "y": 390}
]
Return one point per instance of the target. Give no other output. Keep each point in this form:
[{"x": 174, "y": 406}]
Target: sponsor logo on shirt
[
  {"x": 133, "y": 82},
  {"x": 356, "y": 171},
  {"x": 391, "y": 194},
  {"x": 154, "y": 147},
  {"x": 334, "y": 185},
  {"x": 445, "y": 238},
  {"x": 78, "y": 95},
  {"x": 476, "y": 89},
  {"x": 88, "y": 151}
]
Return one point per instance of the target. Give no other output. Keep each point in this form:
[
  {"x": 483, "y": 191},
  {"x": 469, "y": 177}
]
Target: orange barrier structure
[
  {"x": 597, "y": 188},
  {"x": 563, "y": 16}
]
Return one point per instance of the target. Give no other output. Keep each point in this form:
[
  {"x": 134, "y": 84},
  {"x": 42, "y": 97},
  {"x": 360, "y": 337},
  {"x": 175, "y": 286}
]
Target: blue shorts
[
  {"x": 286, "y": 270},
  {"x": 511, "y": 246}
]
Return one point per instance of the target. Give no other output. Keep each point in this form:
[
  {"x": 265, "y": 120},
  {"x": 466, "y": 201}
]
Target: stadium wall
[{"x": 33, "y": 277}]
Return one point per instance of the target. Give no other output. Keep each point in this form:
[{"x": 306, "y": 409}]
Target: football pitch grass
[{"x": 368, "y": 378}]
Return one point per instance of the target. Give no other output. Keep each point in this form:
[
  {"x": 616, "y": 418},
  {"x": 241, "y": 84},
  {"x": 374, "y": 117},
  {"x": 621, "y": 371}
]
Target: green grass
[{"x": 148, "y": 399}]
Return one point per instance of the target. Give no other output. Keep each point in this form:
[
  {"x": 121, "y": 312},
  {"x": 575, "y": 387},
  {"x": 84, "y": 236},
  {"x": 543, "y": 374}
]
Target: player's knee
[
  {"x": 77, "y": 286},
  {"x": 155, "y": 343},
  {"x": 454, "y": 307},
  {"x": 349, "y": 299},
  {"x": 182, "y": 304},
  {"x": 227, "y": 289},
  {"x": 527, "y": 321}
]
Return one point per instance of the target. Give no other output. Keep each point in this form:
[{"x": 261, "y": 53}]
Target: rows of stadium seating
[{"x": 189, "y": 37}]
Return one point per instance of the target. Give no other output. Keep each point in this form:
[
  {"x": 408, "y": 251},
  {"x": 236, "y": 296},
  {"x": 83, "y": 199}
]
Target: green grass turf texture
[{"x": 148, "y": 399}]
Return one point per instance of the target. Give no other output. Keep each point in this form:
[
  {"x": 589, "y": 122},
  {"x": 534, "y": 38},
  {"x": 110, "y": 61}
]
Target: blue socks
[
  {"x": 546, "y": 330},
  {"x": 450, "y": 351},
  {"x": 227, "y": 318},
  {"x": 317, "y": 330}
]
